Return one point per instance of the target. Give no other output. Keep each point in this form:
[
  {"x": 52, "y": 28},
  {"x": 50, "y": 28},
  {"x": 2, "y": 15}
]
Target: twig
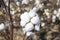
[{"x": 10, "y": 21}]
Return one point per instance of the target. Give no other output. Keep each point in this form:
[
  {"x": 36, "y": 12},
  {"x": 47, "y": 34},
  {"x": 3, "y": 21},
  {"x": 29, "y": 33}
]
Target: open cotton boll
[
  {"x": 37, "y": 2},
  {"x": 6, "y": 3},
  {"x": 12, "y": 12},
  {"x": 32, "y": 13},
  {"x": 35, "y": 20},
  {"x": 22, "y": 23},
  {"x": 2, "y": 26},
  {"x": 31, "y": 34},
  {"x": 53, "y": 18},
  {"x": 42, "y": 24},
  {"x": 25, "y": 1},
  {"x": 35, "y": 9},
  {"x": 25, "y": 16},
  {"x": 55, "y": 12},
  {"x": 37, "y": 27},
  {"x": 58, "y": 14},
  {"x": 18, "y": 3},
  {"x": 28, "y": 27}
]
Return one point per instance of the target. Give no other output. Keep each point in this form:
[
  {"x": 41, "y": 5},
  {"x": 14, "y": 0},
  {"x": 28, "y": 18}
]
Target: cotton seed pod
[
  {"x": 35, "y": 20},
  {"x": 2, "y": 26},
  {"x": 25, "y": 1},
  {"x": 28, "y": 27},
  {"x": 32, "y": 13},
  {"x": 25, "y": 17},
  {"x": 22, "y": 23},
  {"x": 31, "y": 34}
]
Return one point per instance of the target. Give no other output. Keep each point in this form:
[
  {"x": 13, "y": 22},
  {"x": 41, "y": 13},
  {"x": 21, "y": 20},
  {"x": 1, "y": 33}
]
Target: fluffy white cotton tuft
[
  {"x": 18, "y": 3},
  {"x": 29, "y": 27},
  {"x": 25, "y": 17},
  {"x": 37, "y": 27},
  {"x": 32, "y": 13},
  {"x": 35, "y": 20},
  {"x": 30, "y": 34},
  {"x": 22, "y": 23},
  {"x": 25, "y": 1},
  {"x": 2, "y": 26},
  {"x": 12, "y": 12},
  {"x": 53, "y": 18}
]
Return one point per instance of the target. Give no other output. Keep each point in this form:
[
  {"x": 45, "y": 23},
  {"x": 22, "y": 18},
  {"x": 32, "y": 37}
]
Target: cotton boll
[
  {"x": 22, "y": 23},
  {"x": 37, "y": 2},
  {"x": 35, "y": 20},
  {"x": 18, "y": 3},
  {"x": 35, "y": 9},
  {"x": 2, "y": 26},
  {"x": 32, "y": 13},
  {"x": 31, "y": 34},
  {"x": 37, "y": 27},
  {"x": 29, "y": 27},
  {"x": 53, "y": 18},
  {"x": 25, "y": 16},
  {"x": 55, "y": 12},
  {"x": 42, "y": 24},
  {"x": 12, "y": 12},
  {"x": 58, "y": 14},
  {"x": 25, "y": 1},
  {"x": 6, "y": 3}
]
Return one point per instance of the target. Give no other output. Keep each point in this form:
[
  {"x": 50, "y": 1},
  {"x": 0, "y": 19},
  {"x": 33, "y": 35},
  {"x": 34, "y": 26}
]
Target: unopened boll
[
  {"x": 31, "y": 34},
  {"x": 35, "y": 20},
  {"x": 25, "y": 1},
  {"x": 29, "y": 27},
  {"x": 32, "y": 13},
  {"x": 25, "y": 17}
]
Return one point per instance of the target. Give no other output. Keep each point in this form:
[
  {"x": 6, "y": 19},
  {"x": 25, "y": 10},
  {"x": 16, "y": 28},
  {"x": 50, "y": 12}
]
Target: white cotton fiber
[
  {"x": 29, "y": 27},
  {"x": 35, "y": 20}
]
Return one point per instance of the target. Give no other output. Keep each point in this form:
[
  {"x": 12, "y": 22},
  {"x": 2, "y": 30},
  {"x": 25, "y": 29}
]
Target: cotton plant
[{"x": 30, "y": 21}]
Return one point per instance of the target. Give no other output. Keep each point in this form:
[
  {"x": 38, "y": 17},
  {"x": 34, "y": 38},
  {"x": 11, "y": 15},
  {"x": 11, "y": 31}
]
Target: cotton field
[{"x": 29, "y": 19}]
